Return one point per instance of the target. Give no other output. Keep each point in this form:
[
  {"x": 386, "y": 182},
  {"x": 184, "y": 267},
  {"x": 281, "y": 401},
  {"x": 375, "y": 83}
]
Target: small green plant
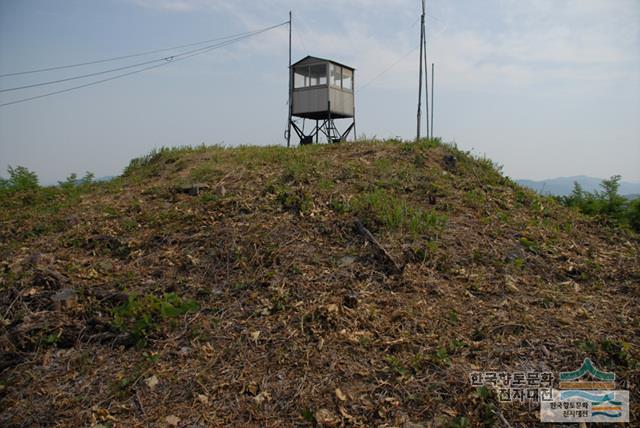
[
  {"x": 518, "y": 262},
  {"x": 529, "y": 245},
  {"x": 298, "y": 201},
  {"x": 475, "y": 198},
  {"x": 396, "y": 365},
  {"x": 587, "y": 346},
  {"x": 441, "y": 356},
  {"x": 521, "y": 197},
  {"x": 397, "y": 214},
  {"x": 52, "y": 338},
  {"x": 202, "y": 173},
  {"x": 296, "y": 170},
  {"x": 486, "y": 406},
  {"x": 325, "y": 185},
  {"x": 459, "y": 422},
  {"x": 210, "y": 198},
  {"x": 144, "y": 316},
  {"x": 339, "y": 205},
  {"x": 307, "y": 415},
  {"x": 618, "y": 354}
]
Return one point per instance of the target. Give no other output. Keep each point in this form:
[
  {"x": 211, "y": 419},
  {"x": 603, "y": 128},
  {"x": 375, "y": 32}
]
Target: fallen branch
[{"x": 382, "y": 253}]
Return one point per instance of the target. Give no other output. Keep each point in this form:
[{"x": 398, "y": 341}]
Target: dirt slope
[{"x": 257, "y": 300}]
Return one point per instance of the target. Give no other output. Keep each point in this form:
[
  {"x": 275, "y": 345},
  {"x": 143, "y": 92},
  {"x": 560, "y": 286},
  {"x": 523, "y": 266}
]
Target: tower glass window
[
  {"x": 335, "y": 75},
  {"x": 318, "y": 75},
  {"x": 308, "y": 76},
  {"x": 347, "y": 79},
  {"x": 300, "y": 77}
]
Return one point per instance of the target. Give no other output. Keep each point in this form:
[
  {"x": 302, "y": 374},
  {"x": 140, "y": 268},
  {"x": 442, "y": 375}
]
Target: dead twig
[{"x": 381, "y": 252}]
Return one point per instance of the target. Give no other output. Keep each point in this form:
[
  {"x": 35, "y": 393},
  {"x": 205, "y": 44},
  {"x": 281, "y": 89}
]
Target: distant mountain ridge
[{"x": 564, "y": 185}]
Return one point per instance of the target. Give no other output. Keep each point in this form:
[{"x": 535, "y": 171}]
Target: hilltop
[{"x": 353, "y": 284}]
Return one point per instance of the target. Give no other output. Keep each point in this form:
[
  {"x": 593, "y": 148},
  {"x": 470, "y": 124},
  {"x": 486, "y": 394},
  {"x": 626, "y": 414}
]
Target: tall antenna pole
[
  {"x": 426, "y": 73},
  {"x": 433, "y": 76},
  {"x": 420, "y": 78},
  {"x": 290, "y": 88}
]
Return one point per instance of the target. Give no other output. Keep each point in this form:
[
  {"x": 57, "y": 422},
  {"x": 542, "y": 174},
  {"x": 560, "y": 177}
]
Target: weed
[
  {"x": 618, "y": 354},
  {"x": 396, "y": 365},
  {"x": 441, "y": 356},
  {"x": 340, "y": 206},
  {"x": 521, "y": 197},
  {"x": 210, "y": 198},
  {"x": 397, "y": 214},
  {"x": 297, "y": 169},
  {"x": 486, "y": 406},
  {"x": 129, "y": 224},
  {"x": 529, "y": 245},
  {"x": 325, "y": 185},
  {"x": 587, "y": 346},
  {"x": 298, "y": 201},
  {"x": 279, "y": 303},
  {"x": 518, "y": 262},
  {"x": 144, "y": 316},
  {"x": 307, "y": 415},
  {"x": 459, "y": 422},
  {"x": 475, "y": 199},
  {"x": 202, "y": 173}
]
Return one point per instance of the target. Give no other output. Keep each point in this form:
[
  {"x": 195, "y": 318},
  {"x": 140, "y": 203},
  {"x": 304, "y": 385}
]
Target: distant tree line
[
  {"x": 25, "y": 186},
  {"x": 21, "y": 179},
  {"x": 606, "y": 204}
]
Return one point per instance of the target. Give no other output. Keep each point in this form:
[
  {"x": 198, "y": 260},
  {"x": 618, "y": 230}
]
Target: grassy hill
[{"x": 352, "y": 284}]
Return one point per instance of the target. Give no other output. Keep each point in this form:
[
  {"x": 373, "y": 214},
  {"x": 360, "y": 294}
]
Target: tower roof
[{"x": 310, "y": 58}]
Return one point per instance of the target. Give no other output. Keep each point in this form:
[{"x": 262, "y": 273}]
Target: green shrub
[
  {"x": 607, "y": 204},
  {"x": 72, "y": 182},
  {"x": 20, "y": 179},
  {"x": 633, "y": 215}
]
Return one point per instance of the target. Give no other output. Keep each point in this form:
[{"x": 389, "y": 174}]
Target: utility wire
[
  {"x": 116, "y": 58},
  {"x": 300, "y": 40},
  {"x": 386, "y": 70},
  {"x": 97, "y": 82},
  {"x": 126, "y": 67}
]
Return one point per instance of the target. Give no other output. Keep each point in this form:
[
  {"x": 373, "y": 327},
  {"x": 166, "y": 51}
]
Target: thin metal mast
[
  {"x": 433, "y": 76},
  {"x": 419, "y": 115},
  {"x": 290, "y": 88},
  {"x": 426, "y": 69}
]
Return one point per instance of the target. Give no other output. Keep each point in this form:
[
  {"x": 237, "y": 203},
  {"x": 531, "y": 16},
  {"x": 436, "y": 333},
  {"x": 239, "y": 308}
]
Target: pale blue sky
[{"x": 545, "y": 87}]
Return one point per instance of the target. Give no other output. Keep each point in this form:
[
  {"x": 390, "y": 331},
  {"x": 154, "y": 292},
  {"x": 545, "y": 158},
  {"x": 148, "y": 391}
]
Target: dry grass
[{"x": 253, "y": 303}]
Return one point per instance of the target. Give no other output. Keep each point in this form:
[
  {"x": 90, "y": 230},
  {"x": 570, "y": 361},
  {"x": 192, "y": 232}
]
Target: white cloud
[{"x": 518, "y": 44}]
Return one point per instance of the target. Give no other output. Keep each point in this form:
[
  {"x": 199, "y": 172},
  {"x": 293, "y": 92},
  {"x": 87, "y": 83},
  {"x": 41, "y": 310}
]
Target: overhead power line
[
  {"x": 97, "y": 82},
  {"x": 398, "y": 61},
  {"x": 117, "y": 58},
  {"x": 386, "y": 70},
  {"x": 127, "y": 67}
]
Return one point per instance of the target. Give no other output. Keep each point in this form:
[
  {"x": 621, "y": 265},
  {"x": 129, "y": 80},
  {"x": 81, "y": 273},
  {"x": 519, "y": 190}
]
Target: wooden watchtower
[{"x": 322, "y": 91}]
